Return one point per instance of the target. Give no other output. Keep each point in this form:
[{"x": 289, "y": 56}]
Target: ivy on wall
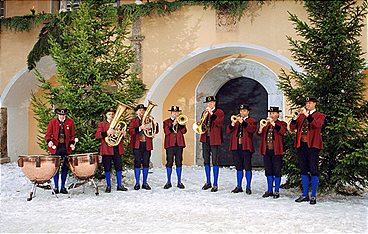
[{"x": 130, "y": 11}]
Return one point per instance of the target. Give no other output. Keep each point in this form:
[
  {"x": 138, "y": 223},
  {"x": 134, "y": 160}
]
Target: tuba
[
  {"x": 148, "y": 120},
  {"x": 118, "y": 125},
  {"x": 200, "y": 127},
  {"x": 182, "y": 119}
]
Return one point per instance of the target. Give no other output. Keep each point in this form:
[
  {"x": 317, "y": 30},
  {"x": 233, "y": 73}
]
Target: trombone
[
  {"x": 200, "y": 127},
  {"x": 182, "y": 119}
]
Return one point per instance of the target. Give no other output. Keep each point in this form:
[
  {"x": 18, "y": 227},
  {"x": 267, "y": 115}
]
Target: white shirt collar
[{"x": 312, "y": 111}]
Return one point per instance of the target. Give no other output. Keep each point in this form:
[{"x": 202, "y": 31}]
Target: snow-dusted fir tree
[
  {"x": 93, "y": 60},
  {"x": 329, "y": 51}
]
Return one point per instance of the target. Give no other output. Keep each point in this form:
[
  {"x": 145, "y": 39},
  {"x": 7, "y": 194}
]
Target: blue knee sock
[
  {"x": 248, "y": 177},
  {"x": 145, "y": 175},
  {"x": 277, "y": 183},
  {"x": 215, "y": 175},
  {"x": 269, "y": 183},
  {"x": 178, "y": 174},
  {"x": 108, "y": 178},
  {"x": 305, "y": 184},
  {"x": 118, "y": 178},
  {"x": 314, "y": 185},
  {"x": 64, "y": 174},
  {"x": 168, "y": 173},
  {"x": 207, "y": 169},
  {"x": 137, "y": 175},
  {"x": 56, "y": 180},
  {"x": 239, "y": 178}
]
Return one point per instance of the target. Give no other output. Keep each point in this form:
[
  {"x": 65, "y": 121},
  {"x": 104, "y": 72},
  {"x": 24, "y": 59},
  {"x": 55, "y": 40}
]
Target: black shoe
[
  {"x": 302, "y": 199},
  {"x": 181, "y": 186},
  {"x": 206, "y": 186},
  {"x": 146, "y": 187},
  {"x": 237, "y": 190},
  {"x": 313, "y": 201},
  {"x": 63, "y": 191},
  {"x": 108, "y": 189},
  {"x": 248, "y": 191},
  {"x": 214, "y": 189},
  {"x": 276, "y": 195},
  {"x": 167, "y": 186},
  {"x": 267, "y": 194},
  {"x": 137, "y": 187},
  {"x": 121, "y": 188},
  {"x": 56, "y": 191}
]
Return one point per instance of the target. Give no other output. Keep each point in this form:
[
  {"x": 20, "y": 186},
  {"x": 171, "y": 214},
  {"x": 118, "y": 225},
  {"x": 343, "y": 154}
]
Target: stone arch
[{"x": 162, "y": 86}]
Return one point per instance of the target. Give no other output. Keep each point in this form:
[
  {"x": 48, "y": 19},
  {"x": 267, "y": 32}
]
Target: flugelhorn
[
  {"x": 200, "y": 127},
  {"x": 263, "y": 122},
  {"x": 182, "y": 119},
  {"x": 234, "y": 118}
]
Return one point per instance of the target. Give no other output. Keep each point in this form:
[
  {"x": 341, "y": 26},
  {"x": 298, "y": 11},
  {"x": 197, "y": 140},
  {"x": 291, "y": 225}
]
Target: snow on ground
[{"x": 173, "y": 210}]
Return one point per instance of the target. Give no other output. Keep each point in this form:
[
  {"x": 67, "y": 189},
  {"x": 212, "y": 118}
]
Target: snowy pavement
[{"x": 174, "y": 210}]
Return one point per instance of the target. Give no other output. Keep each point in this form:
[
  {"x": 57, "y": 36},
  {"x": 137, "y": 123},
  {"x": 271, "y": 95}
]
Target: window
[{"x": 2, "y": 8}]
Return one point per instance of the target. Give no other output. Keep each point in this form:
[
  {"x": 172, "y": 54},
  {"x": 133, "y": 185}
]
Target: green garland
[
  {"x": 131, "y": 11},
  {"x": 24, "y": 23}
]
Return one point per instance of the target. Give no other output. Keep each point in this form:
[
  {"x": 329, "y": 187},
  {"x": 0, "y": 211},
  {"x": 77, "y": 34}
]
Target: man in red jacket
[
  {"x": 174, "y": 144},
  {"x": 141, "y": 145},
  {"x": 241, "y": 146},
  {"x": 308, "y": 142},
  {"x": 272, "y": 149},
  {"x": 211, "y": 141},
  {"x": 60, "y": 136},
  {"x": 110, "y": 153}
]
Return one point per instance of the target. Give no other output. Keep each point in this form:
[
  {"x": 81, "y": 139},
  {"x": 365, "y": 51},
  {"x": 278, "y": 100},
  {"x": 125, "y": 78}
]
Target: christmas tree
[
  {"x": 93, "y": 60},
  {"x": 329, "y": 51}
]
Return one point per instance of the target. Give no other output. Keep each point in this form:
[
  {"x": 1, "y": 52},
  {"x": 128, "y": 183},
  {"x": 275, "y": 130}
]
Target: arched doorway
[{"x": 233, "y": 93}]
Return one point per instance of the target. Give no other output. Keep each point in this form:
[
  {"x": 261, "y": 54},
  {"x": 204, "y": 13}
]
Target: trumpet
[
  {"x": 234, "y": 118},
  {"x": 263, "y": 122},
  {"x": 182, "y": 119}
]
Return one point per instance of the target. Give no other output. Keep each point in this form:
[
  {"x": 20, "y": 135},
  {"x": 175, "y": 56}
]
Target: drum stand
[
  {"x": 32, "y": 194},
  {"x": 80, "y": 182}
]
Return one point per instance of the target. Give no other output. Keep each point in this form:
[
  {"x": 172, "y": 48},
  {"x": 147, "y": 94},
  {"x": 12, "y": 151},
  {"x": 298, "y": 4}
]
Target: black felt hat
[
  {"x": 244, "y": 106},
  {"x": 111, "y": 110},
  {"x": 61, "y": 111},
  {"x": 140, "y": 106},
  {"x": 175, "y": 109},
  {"x": 311, "y": 99},
  {"x": 274, "y": 109},
  {"x": 210, "y": 99}
]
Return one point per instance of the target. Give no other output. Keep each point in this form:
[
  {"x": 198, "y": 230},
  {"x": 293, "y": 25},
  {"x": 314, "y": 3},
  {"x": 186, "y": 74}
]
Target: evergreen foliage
[
  {"x": 93, "y": 70},
  {"x": 329, "y": 51}
]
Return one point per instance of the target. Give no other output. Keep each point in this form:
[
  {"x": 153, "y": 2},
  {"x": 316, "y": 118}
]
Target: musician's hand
[
  {"x": 111, "y": 132},
  {"x": 143, "y": 127},
  {"x": 233, "y": 124},
  {"x": 240, "y": 120},
  {"x": 260, "y": 129},
  {"x": 124, "y": 133},
  {"x": 50, "y": 144},
  {"x": 305, "y": 112},
  {"x": 72, "y": 146}
]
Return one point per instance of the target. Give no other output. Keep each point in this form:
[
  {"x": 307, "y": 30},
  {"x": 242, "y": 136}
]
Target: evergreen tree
[
  {"x": 93, "y": 71},
  {"x": 331, "y": 55}
]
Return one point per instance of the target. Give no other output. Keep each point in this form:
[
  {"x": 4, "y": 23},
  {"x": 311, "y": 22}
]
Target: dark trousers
[
  {"x": 141, "y": 156},
  {"x": 308, "y": 159},
  {"x": 176, "y": 151},
  {"x": 272, "y": 163},
  {"x": 108, "y": 159},
  {"x": 61, "y": 151},
  {"x": 210, "y": 150},
  {"x": 242, "y": 159}
]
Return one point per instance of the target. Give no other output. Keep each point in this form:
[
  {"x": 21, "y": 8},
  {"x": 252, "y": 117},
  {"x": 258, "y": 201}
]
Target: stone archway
[
  {"x": 162, "y": 86},
  {"x": 230, "y": 69},
  {"x": 15, "y": 101}
]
